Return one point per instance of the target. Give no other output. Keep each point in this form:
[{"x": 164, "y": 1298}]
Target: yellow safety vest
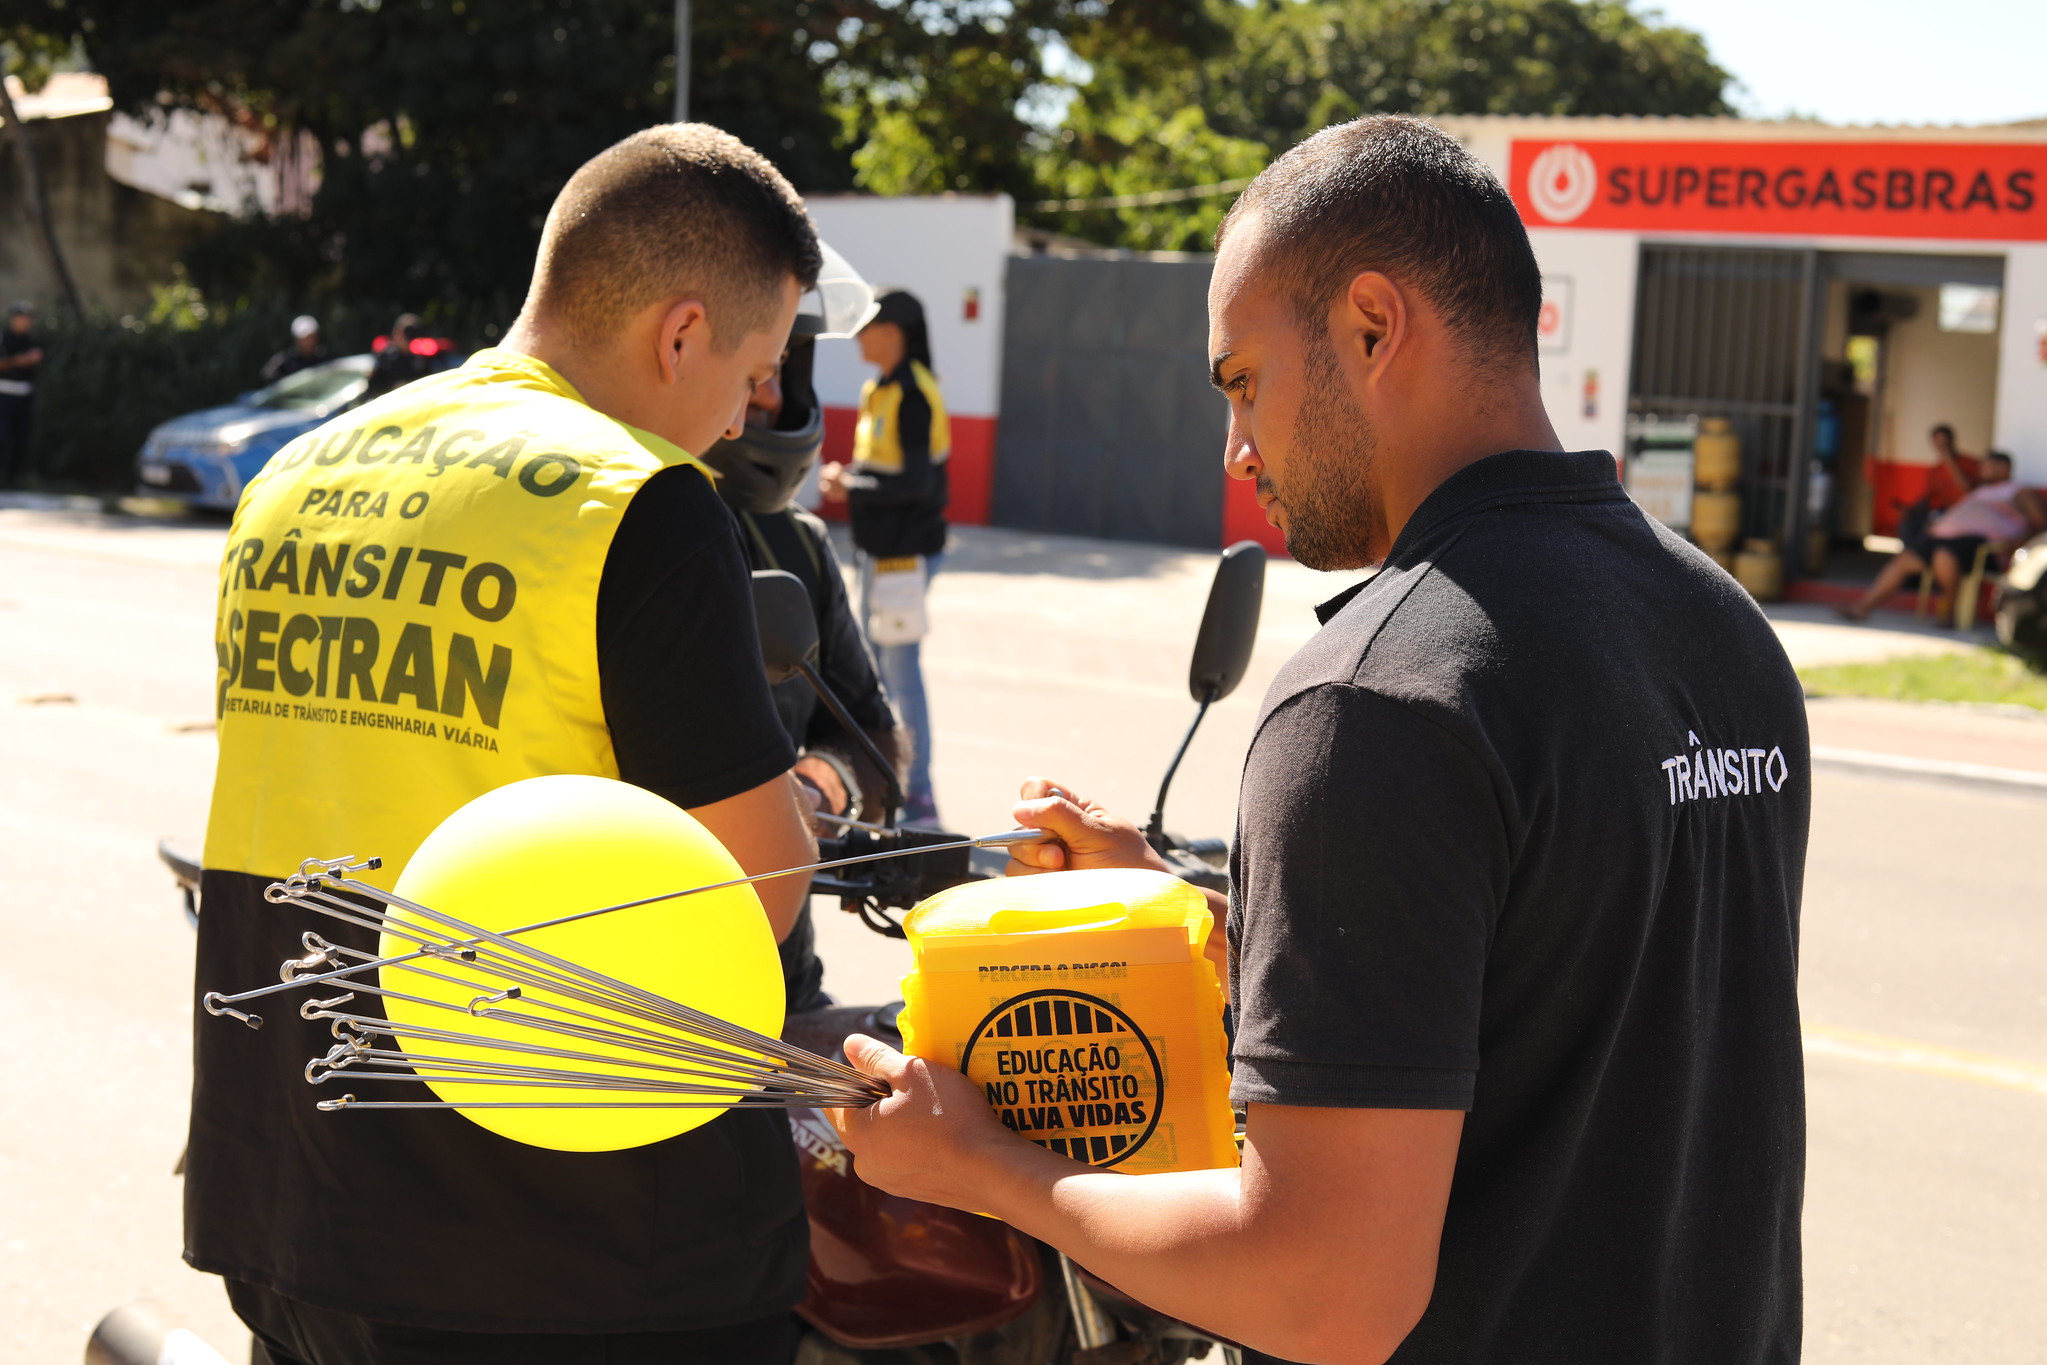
[
  {"x": 877, "y": 437},
  {"x": 408, "y": 614}
]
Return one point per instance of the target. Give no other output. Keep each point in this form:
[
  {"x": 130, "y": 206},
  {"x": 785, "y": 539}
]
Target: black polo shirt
[{"x": 1522, "y": 832}]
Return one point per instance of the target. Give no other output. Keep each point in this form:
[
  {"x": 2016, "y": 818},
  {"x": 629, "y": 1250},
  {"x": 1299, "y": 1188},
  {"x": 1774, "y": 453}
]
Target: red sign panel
[{"x": 1966, "y": 191}]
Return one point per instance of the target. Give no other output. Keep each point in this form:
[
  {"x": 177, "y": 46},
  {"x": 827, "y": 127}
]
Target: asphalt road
[{"x": 1925, "y": 957}]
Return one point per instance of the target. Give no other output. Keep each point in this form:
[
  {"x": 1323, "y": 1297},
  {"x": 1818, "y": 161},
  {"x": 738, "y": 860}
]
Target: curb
[{"x": 2011, "y": 781}]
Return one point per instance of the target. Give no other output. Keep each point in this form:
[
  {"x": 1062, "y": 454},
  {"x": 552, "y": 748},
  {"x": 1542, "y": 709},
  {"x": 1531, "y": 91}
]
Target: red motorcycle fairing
[{"x": 887, "y": 1271}]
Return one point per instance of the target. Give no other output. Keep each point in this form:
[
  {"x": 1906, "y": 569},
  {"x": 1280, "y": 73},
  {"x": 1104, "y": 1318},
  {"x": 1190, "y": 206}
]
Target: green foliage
[
  {"x": 108, "y": 380},
  {"x": 33, "y": 55},
  {"x": 942, "y": 103},
  {"x": 1973, "y": 675},
  {"x": 447, "y": 126},
  {"x": 1292, "y": 67}
]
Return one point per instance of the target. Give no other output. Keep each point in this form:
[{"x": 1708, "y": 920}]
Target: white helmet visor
[{"x": 842, "y": 299}]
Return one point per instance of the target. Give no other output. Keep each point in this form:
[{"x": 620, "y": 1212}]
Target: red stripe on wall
[
  {"x": 972, "y": 464},
  {"x": 1243, "y": 519}
]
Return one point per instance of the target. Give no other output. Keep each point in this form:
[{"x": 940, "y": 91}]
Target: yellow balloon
[{"x": 552, "y": 846}]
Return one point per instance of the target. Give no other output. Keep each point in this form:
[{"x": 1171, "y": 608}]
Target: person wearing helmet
[
  {"x": 760, "y": 472},
  {"x": 306, "y": 349}
]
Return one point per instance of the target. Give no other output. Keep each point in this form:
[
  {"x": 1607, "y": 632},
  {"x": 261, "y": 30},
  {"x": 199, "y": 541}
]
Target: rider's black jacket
[{"x": 798, "y": 542}]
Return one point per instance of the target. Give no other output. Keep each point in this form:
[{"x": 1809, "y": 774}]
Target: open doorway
[
  {"x": 1827, "y": 369},
  {"x": 1898, "y": 359}
]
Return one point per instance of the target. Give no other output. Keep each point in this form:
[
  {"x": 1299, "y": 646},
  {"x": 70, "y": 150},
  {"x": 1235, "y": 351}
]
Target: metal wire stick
[{"x": 285, "y": 892}]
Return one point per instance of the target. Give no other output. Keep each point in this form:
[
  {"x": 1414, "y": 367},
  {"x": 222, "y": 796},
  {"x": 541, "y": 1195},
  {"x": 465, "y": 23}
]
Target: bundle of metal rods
[{"x": 563, "y": 1027}]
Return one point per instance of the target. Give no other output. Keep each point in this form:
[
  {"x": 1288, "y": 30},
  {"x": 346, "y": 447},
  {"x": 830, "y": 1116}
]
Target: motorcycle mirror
[
  {"x": 1222, "y": 653},
  {"x": 786, "y": 621},
  {"x": 1229, "y": 624}
]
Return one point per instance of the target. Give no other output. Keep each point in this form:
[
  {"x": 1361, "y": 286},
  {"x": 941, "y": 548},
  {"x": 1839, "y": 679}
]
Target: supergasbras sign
[{"x": 1921, "y": 189}]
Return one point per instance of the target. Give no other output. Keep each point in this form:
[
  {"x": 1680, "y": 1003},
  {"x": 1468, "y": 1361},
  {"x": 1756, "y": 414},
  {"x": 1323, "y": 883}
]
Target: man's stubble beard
[{"x": 1331, "y": 513}]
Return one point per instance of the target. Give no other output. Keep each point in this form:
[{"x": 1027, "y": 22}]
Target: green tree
[
  {"x": 938, "y": 95},
  {"x": 1293, "y": 67},
  {"x": 445, "y": 127}
]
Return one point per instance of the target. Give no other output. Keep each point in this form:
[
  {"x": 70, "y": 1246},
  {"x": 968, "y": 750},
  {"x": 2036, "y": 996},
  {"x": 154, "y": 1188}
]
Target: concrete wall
[
  {"x": 118, "y": 241},
  {"x": 1934, "y": 377},
  {"x": 1589, "y": 292},
  {"x": 2021, "y": 424},
  {"x": 947, "y": 250}
]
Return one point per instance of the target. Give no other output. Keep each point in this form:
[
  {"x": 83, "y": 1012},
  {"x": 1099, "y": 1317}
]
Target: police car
[{"x": 206, "y": 458}]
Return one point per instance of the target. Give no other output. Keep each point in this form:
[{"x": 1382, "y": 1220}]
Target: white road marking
[{"x": 1901, "y": 765}]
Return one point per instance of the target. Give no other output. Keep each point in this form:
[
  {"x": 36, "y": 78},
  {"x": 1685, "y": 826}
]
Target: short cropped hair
[
  {"x": 1399, "y": 196},
  {"x": 1943, "y": 429},
  {"x": 680, "y": 210}
]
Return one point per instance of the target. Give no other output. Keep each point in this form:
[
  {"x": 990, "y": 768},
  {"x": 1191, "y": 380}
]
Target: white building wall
[
  {"x": 938, "y": 248},
  {"x": 1935, "y": 377},
  {"x": 1589, "y": 277},
  {"x": 1592, "y": 276},
  {"x": 2022, "y": 362}
]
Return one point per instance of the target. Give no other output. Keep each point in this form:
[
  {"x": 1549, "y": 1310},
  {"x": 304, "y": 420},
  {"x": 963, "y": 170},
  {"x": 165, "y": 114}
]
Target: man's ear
[
  {"x": 684, "y": 332},
  {"x": 1371, "y": 319}
]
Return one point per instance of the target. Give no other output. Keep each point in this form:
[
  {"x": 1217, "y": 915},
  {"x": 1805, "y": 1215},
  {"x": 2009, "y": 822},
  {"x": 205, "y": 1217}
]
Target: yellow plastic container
[{"x": 1082, "y": 1006}]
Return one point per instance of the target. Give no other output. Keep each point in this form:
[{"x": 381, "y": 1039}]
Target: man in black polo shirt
[{"x": 1520, "y": 845}]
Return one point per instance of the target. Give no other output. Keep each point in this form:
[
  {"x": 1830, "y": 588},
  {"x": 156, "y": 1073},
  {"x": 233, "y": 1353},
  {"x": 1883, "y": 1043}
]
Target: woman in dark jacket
[{"x": 896, "y": 491}]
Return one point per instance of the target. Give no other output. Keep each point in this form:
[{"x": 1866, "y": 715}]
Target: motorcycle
[{"x": 895, "y": 1281}]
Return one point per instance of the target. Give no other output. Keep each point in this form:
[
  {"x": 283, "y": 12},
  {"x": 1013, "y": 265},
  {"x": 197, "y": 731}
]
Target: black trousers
[
  {"x": 289, "y": 1332},
  {"x": 15, "y": 411}
]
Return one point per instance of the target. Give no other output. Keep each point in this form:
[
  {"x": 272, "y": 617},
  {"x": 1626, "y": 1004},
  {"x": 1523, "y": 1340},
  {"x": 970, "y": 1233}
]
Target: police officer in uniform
[
  {"x": 306, "y": 350},
  {"x": 21, "y": 358},
  {"x": 760, "y": 471},
  {"x": 512, "y": 569}
]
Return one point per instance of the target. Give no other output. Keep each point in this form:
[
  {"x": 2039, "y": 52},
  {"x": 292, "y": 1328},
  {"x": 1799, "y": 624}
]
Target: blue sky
[{"x": 1878, "y": 61}]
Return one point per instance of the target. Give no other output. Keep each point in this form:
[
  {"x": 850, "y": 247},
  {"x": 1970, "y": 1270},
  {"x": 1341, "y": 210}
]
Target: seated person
[
  {"x": 1996, "y": 512},
  {"x": 1949, "y": 479}
]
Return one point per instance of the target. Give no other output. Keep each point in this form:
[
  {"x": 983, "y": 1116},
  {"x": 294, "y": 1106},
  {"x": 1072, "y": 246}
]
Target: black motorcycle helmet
[{"x": 761, "y": 469}]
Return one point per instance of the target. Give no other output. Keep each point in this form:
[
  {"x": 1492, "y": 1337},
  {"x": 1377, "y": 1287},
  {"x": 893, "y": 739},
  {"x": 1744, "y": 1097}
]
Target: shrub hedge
[{"x": 108, "y": 380}]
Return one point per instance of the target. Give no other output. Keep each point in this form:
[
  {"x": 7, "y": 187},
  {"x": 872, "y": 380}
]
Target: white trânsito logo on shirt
[{"x": 1709, "y": 772}]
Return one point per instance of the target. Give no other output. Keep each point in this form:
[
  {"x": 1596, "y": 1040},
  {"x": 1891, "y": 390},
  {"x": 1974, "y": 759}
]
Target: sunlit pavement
[{"x": 1925, "y": 954}]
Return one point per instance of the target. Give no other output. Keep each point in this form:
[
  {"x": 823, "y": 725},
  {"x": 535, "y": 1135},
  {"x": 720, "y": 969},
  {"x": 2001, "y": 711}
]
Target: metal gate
[
  {"x": 1733, "y": 332},
  {"x": 1109, "y": 427}
]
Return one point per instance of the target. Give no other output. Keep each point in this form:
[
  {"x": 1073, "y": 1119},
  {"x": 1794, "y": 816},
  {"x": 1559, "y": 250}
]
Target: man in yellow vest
[{"x": 512, "y": 569}]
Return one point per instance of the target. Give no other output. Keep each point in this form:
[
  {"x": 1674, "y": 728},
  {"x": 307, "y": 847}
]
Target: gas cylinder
[
  {"x": 1716, "y": 455},
  {"x": 1716, "y": 520},
  {"x": 1081, "y": 1005},
  {"x": 1760, "y": 569}
]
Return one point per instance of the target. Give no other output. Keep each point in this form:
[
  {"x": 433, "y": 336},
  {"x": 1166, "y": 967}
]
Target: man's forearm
[
  {"x": 1168, "y": 1240},
  {"x": 1194, "y": 1246}
]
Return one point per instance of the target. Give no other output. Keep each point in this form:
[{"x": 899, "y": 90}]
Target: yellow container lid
[{"x": 1097, "y": 900}]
